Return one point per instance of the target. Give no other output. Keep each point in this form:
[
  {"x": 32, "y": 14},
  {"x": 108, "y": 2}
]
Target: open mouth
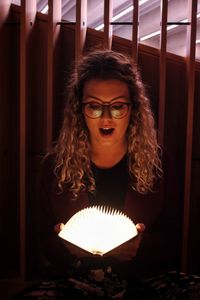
[{"x": 106, "y": 131}]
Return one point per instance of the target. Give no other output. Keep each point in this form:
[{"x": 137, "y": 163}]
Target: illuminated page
[{"x": 98, "y": 229}]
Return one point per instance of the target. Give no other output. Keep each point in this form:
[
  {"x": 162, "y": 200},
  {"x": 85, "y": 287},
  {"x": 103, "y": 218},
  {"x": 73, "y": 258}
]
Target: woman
[{"x": 107, "y": 154}]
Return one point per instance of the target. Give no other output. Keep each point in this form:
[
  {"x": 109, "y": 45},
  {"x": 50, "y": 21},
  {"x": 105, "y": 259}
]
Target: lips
[{"x": 106, "y": 131}]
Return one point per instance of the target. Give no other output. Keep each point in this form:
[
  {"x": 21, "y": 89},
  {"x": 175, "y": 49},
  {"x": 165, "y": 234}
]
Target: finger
[
  {"x": 62, "y": 226},
  {"x": 140, "y": 227},
  {"x": 58, "y": 227}
]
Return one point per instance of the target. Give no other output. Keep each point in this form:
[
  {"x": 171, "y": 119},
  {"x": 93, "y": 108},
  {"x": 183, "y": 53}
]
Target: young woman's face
[{"x": 106, "y": 107}]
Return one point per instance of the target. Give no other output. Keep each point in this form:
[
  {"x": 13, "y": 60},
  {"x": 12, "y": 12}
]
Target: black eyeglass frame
[{"x": 105, "y": 104}]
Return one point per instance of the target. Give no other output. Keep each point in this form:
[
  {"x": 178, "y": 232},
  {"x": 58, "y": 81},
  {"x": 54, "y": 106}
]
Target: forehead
[{"x": 105, "y": 89}]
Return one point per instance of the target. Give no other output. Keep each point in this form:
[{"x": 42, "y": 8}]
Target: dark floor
[{"x": 9, "y": 288}]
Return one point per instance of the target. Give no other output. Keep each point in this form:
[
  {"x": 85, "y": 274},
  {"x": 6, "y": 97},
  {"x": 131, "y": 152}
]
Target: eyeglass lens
[{"x": 95, "y": 110}]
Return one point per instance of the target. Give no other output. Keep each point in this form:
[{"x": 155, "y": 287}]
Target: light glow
[
  {"x": 121, "y": 14},
  {"x": 98, "y": 229},
  {"x": 45, "y": 9},
  {"x": 155, "y": 33}
]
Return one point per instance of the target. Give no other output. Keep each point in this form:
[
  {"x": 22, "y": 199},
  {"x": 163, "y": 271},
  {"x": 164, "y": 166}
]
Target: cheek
[
  {"x": 125, "y": 124},
  {"x": 90, "y": 125},
  {"x": 87, "y": 122}
]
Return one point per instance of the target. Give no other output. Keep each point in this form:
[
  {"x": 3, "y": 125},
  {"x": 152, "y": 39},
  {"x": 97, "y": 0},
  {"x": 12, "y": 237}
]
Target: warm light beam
[{"x": 98, "y": 229}]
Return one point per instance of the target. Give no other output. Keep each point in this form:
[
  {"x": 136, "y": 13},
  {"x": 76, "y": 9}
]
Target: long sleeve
[
  {"x": 160, "y": 211},
  {"x": 56, "y": 257}
]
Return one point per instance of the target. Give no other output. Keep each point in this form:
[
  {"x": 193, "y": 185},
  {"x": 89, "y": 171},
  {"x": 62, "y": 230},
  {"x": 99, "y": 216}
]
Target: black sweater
[{"x": 158, "y": 210}]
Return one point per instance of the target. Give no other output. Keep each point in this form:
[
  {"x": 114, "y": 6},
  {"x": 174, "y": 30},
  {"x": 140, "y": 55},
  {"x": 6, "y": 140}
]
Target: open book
[{"x": 98, "y": 229}]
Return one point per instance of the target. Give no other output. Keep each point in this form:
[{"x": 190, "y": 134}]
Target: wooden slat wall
[
  {"x": 81, "y": 26},
  {"x": 162, "y": 83},
  {"x": 135, "y": 30},
  {"x": 54, "y": 16},
  {"x": 194, "y": 237},
  {"x": 4, "y": 11},
  {"x": 36, "y": 132},
  {"x": 190, "y": 77},
  {"x": 5, "y": 157},
  {"x": 28, "y": 14},
  {"x": 108, "y": 13}
]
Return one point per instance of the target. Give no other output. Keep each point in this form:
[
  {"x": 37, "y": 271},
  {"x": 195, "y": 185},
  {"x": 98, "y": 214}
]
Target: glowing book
[{"x": 98, "y": 229}]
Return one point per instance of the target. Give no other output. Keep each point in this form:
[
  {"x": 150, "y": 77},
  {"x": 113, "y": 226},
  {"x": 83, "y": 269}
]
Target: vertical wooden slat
[
  {"x": 162, "y": 83},
  {"x": 28, "y": 13},
  {"x": 135, "y": 30},
  {"x": 81, "y": 26},
  {"x": 108, "y": 13},
  {"x": 54, "y": 16},
  {"x": 6, "y": 105},
  {"x": 190, "y": 73},
  {"x": 4, "y": 11}
]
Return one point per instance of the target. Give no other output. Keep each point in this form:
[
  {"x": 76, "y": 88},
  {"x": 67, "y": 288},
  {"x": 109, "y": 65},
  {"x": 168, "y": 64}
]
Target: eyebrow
[{"x": 96, "y": 98}]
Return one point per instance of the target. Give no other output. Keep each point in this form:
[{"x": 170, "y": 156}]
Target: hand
[
  {"x": 129, "y": 249},
  {"x": 74, "y": 250},
  {"x": 58, "y": 227}
]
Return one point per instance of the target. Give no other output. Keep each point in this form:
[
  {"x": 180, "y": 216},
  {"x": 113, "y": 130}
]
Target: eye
[
  {"x": 94, "y": 106},
  {"x": 119, "y": 105},
  {"x": 93, "y": 109}
]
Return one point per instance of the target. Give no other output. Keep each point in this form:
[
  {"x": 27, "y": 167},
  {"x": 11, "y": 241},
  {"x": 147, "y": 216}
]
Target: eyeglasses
[{"x": 117, "y": 110}]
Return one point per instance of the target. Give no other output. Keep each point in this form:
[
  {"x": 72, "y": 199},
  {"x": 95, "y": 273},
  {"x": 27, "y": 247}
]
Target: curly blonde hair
[{"x": 72, "y": 151}]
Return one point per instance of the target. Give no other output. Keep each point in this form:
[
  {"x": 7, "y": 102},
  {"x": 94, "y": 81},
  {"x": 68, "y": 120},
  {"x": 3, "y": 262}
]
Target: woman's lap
[
  {"x": 171, "y": 285},
  {"x": 176, "y": 285}
]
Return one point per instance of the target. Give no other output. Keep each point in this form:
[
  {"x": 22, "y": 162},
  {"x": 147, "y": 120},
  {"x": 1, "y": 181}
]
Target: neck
[{"x": 107, "y": 157}]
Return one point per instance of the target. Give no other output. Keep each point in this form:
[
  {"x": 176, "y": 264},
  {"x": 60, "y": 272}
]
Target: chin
[{"x": 108, "y": 143}]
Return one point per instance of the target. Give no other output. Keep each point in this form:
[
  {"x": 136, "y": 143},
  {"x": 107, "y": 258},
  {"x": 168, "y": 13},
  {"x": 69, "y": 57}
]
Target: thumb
[
  {"x": 140, "y": 227},
  {"x": 58, "y": 227}
]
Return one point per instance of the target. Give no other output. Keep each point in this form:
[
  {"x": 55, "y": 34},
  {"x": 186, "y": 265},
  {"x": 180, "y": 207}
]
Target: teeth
[{"x": 106, "y": 130}]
